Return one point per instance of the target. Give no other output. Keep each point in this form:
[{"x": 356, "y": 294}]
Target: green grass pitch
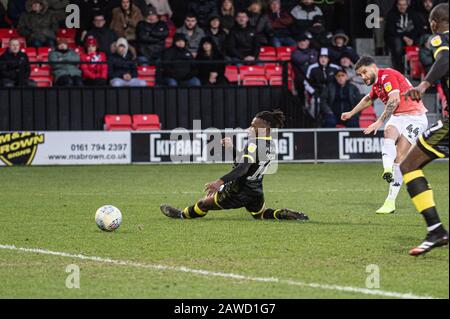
[{"x": 53, "y": 208}]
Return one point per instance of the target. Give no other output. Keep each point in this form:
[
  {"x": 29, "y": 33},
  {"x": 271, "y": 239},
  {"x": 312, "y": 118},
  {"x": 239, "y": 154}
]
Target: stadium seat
[
  {"x": 232, "y": 73},
  {"x": 67, "y": 33},
  {"x": 148, "y": 74},
  {"x": 8, "y": 33},
  {"x": 42, "y": 53},
  {"x": 274, "y": 74},
  {"x": 145, "y": 122},
  {"x": 253, "y": 75},
  {"x": 31, "y": 53},
  {"x": 412, "y": 62},
  {"x": 39, "y": 72},
  {"x": 118, "y": 122},
  {"x": 267, "y": 54},
  {"x": 43, "y": 81},
  {"x": 2, "y": 50},
  {"x": 284, "y": 53}
]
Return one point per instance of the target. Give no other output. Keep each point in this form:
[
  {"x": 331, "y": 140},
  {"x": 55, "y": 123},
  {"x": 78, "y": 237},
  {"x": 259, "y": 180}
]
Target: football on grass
[{"x": 108, "y": 218}]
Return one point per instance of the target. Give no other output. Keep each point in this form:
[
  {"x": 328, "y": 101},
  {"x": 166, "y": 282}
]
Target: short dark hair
[
  {"x": 364, "y": 61},
  {"x": 242, "y": 11},
  {"x": 440, "y": 13},
  {"x": 191, "y": 15},
  {"x": 275, "y": 118}
]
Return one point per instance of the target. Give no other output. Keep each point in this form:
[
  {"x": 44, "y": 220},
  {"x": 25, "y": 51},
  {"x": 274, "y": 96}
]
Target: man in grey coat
[{"x": 194, "y": 34}]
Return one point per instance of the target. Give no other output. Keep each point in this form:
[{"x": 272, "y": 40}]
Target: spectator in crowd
[
  {"x": 14, "y": 67},
  {"x": 151, "y": 36},
  {"x": 94, "y": 74},
  {"x": 211, "y": 73},
  {"x": 302, "y": 57},
  {"x": 91, "y": 8},
  {"x": 104, "y": 35},
  {"x": 180, "y": 9},
  {"x": 15, "y": 9},
  {"x": 58, "y": 9},
  {"x": 339, "y": 97},
  {"x": 281, "y": 23},
  {"x": 339, "y": 46},
  {"x": 3, "y": 23},
  {"x": 402, "y": 29},
  {"x": 216, "y": 33},
  {"x": 192, "y": 32},
  {"x": 37, "y": 24},
  {"x": 125, "y": 19},
  {"x": 184, "y": 73},
  {"x": 425, "y": 53},
  {"x": 261, "y": 23},
  {"x": 303, "y": 15},
  {"x": 320, "y": 74},
  {"x": 65, "y": 74},
  {"x": 242, "y": 43},
  {"x": 226, "y": 15},
  {"x": 122, "y": 68},
  {"x": 345, "y": 62},
  {"x": 424, "y": 9},
  {"x": 378, "y": 33},
  {"x": 203, "y": 10},
  {"x": 321, "y": 37}
]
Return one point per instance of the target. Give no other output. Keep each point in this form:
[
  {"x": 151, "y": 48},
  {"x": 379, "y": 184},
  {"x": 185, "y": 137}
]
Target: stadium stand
[{"x": 118, "y": 122}]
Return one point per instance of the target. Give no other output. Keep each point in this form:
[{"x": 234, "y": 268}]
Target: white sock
[
  {"x": 396, "y": 185},
  {"x": 389, "y": 152}
]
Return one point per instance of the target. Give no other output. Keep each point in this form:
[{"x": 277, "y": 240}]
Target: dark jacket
[
  {"x": 150, "y": 38},
  {"x": 318, "y": 77},
  {"x": 203, "y": 9},
  {"x": 301, "y": 60},
  {"x": 337, "y": 52},
  {"x": 105, "y": 38},
  {"x": 204, "y": 70},
  {"x": 219, "y": 38},
  {"x": 242, "y": 42},
  {"x": 17, "y": 69},
  {"x": 89, "y": 8},
  {"x": 321, "y": 37},
  {"x": 15, "y": 10},
  {"x": 58, "y": 9},
  {"x": 178, "y": 71},
  {"x": 119, "y": 66},
  {"x": 60, "y": 69},
  {"x": 263, "y": 27},
  {"x": 3, "y": 23},
  {"x": 400, "y": 25},
  {"x": 38, "y": 26},
  {"x": 328, "y": 98},
  {"x": 227, "y": 21}
]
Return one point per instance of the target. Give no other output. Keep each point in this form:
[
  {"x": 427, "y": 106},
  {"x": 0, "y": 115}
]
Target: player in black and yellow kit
[
  {"x": 243, "y": 186},
  {"x": 434, "y": 142}
]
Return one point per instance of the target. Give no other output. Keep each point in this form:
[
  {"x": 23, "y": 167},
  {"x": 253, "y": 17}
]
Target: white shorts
[{"x": 410, "y": 126}]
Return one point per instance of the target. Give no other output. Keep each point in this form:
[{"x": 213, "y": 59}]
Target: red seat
[
  {"x": 68, "y": 34},
  {"x": 43, "y": 81},
  {"x": 169, "y": 42},
  {"x": 2, "y": 50},
  {"x": 8, "y": 33},
  {"x": 144, "y": 122},
  {"x": 42, "y": 53},
  {"x": 146, "y": 70},
  {"x": 268, "y": 54},
  {"x": 118, "y": 122},
  {"x": 232, "y": 73},
  {"x": 443, "y": 99},
  {"x": 284, "y": 53},
  {"x": 253, "y": 75},
  {"x": 39, "y": 72},
  {"x": 254, "y": 81},
  {"x": 367, "y": 117}
]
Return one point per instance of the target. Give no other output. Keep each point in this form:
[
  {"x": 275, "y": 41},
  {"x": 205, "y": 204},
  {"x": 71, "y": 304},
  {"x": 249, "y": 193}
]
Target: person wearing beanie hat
[
  {"x": 65, "y": 74},
  {"x": 37, "y": 24},
  {"x": 93, "y": 74},
  {"x": 151, "y": 35},
  {"x": 340, "y": 47},
  {"x": 122, "y": 67},
  {"x": 175, "y": 74},
  {"x": 302, "y": 57}
]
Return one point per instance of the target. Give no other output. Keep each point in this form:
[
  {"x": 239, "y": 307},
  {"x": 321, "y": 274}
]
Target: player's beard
[{"x": 371, "y": 80}]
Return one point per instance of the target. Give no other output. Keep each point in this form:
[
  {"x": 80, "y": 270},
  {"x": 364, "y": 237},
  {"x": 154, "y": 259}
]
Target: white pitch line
[{"x": 207, "y": 273}]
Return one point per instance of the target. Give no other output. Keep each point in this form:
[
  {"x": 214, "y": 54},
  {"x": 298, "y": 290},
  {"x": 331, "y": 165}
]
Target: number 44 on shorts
[{"x": 411, "y": 130}]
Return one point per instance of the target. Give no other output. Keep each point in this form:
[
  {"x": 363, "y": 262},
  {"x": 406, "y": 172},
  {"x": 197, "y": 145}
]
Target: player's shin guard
[
  {"x": 389, "y": 153},
  {"x": 193, "y": 212},
  {"x": 422, "y": 196},
  {"x": 396, "y": 185}
]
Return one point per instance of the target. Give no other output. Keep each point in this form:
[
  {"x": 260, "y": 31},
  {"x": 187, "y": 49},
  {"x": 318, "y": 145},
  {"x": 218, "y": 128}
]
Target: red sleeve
[
  {"x": 390, "y": 83},
  {"x": 87, "y": 73}
]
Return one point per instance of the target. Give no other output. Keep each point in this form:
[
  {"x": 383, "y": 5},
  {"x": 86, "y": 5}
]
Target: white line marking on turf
[{"x": 208, "y": 273}]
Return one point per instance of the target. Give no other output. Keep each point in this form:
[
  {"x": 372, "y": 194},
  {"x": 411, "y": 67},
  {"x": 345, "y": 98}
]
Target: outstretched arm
[
  {"x": 237, "y": 172},
  {"x": 365, "y": 102},
  {"x": 392, "y": 104}
]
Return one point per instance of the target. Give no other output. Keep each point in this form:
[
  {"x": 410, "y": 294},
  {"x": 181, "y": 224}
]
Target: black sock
[{"x": 193, "y": 212}]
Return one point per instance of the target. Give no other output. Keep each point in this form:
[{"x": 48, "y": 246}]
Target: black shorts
[
  {"x": 230, "y": 197},
  {"x": 434, "y": 141}
]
